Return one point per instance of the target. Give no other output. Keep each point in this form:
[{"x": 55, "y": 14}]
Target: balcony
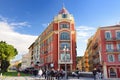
[
  {"x": 112, "y": 39},
  {"x": 117, "y": 38},
  {"x": 113, "y": 50},
  {"x": 63, "y": 62},
  {"x": 110, "y": 50}
]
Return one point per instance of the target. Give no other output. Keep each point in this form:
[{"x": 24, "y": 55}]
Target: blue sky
[{"x": 21, "y": 21}]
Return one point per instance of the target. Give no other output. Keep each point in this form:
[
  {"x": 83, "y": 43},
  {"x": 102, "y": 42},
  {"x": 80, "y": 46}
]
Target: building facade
[
  {"x": 56, "y": 45},
  {"x": 110, "y": 50},
  {"x": 87, "y": 60},
  {"x": 104, "y": 51},
  {"x": 26, "y": 61}
]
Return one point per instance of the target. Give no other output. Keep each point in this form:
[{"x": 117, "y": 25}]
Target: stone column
[{"x": 105, "y": 71}]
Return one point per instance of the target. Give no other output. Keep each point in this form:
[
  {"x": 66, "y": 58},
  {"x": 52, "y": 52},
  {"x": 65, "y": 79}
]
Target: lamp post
[{"x": 65, "y": 60}]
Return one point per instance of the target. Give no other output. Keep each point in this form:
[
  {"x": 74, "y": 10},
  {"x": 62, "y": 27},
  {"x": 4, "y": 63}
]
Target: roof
[{"x": 63, "y": 11}]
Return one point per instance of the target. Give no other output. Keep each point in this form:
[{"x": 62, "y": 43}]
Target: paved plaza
[{"x": 37, "y": 78}]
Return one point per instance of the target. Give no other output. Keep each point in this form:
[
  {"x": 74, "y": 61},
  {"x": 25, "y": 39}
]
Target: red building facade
[
  {"x": 56, "y": 46},
  {"x": 110, "y": 50},
  {"x": 105, "y": 51}
]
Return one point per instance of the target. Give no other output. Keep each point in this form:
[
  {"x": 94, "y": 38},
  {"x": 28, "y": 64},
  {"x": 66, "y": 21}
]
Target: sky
[{"x": 21, "y": 21}]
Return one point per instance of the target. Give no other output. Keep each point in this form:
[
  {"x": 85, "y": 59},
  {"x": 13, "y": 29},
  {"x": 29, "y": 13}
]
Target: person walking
[
  {"x": 40, "y": 72},
  {"x": 94, "y": 73},
  {"x": 57, "y": 75}
]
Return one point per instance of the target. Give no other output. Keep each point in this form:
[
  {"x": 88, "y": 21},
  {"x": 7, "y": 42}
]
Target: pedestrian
[
  {"x": 44, "y": 73},
  {"x": 57, "y": 74},
  {"x": 62, "y": 73},
  {"x": 35, "y": 72},
  {"x": 52, "y": 73},
  {"x": 40, "y": 72},
  {"x": 94, "y": 73}
]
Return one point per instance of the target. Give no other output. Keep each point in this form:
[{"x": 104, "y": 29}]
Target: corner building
[{"x": 57, "y": 43}]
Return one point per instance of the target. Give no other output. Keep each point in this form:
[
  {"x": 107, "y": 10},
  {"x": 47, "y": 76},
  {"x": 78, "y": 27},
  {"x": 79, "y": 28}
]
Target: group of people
[
  {"x": 97, "y": 73},
  {"x": 49, "y": 74}
]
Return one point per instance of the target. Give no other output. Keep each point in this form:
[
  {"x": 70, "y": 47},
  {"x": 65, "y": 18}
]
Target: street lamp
[{"x": 65, "y": 60}]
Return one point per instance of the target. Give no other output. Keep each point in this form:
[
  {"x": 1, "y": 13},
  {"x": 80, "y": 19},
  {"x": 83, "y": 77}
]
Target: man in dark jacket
[{"x": 94, "y": 73}]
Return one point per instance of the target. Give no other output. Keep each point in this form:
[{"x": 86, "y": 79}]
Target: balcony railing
[
  {"x": 112, "y": 39},
  {"x": 110, "y": 50},
  {"x": 113, "y": 50},
  {"x": 62, "y": 61}
]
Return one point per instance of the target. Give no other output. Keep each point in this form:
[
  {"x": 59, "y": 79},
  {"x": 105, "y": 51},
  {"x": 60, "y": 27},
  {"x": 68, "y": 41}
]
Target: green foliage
[
  {"x": 5, "y": 65},
  {"x": 7, "y": 52}
]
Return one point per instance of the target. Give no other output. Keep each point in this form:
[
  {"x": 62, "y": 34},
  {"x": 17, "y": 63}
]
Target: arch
[
  {"x": 112, "y": 73},
  {"x": 64, "y": 36}
]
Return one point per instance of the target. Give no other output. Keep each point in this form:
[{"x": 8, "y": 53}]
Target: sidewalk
[
  {"x": 112, "y": 79},
  {"x": 42, "y": 78}
]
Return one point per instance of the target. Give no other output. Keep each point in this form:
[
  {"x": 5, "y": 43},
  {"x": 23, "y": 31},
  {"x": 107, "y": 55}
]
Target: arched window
[
  {"x": 112, "y": 72},
  {"x": 64, "y": 15},
  {"x": 64, "y": 36},
  {"x": 63, "y": 44}
]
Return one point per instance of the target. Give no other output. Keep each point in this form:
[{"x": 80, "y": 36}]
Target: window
[
  {"x": 63, "y": 56},
  {"x": 64, "y": 15},
  {"x": 118, "y": 46},
  {"x": 107, "y": 35},
  {"x": 118, "y": 35},
  {"x": 64, "y": 36},
  {"x": 109, "y": 47},
  {"x": 67, "y": 44},
  {"x": 119, "y": 57},
  {"x": 64, "y": 25},
  {"x": 111, "y": 58}
]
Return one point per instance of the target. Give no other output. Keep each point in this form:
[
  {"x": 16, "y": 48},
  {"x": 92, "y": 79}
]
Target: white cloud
[
  {"x": 3, "y": 19},
  {"x": 83, "y": 34},
  {"x": 19, "y": 24},
  {"x": 85, "y": 28},
  {"x": 45, "y": 25},
  {"x": 20, "y": 41}
]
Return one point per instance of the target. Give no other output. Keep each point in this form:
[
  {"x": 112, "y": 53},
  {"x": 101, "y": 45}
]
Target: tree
[{"x": 7, "y": 52}]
